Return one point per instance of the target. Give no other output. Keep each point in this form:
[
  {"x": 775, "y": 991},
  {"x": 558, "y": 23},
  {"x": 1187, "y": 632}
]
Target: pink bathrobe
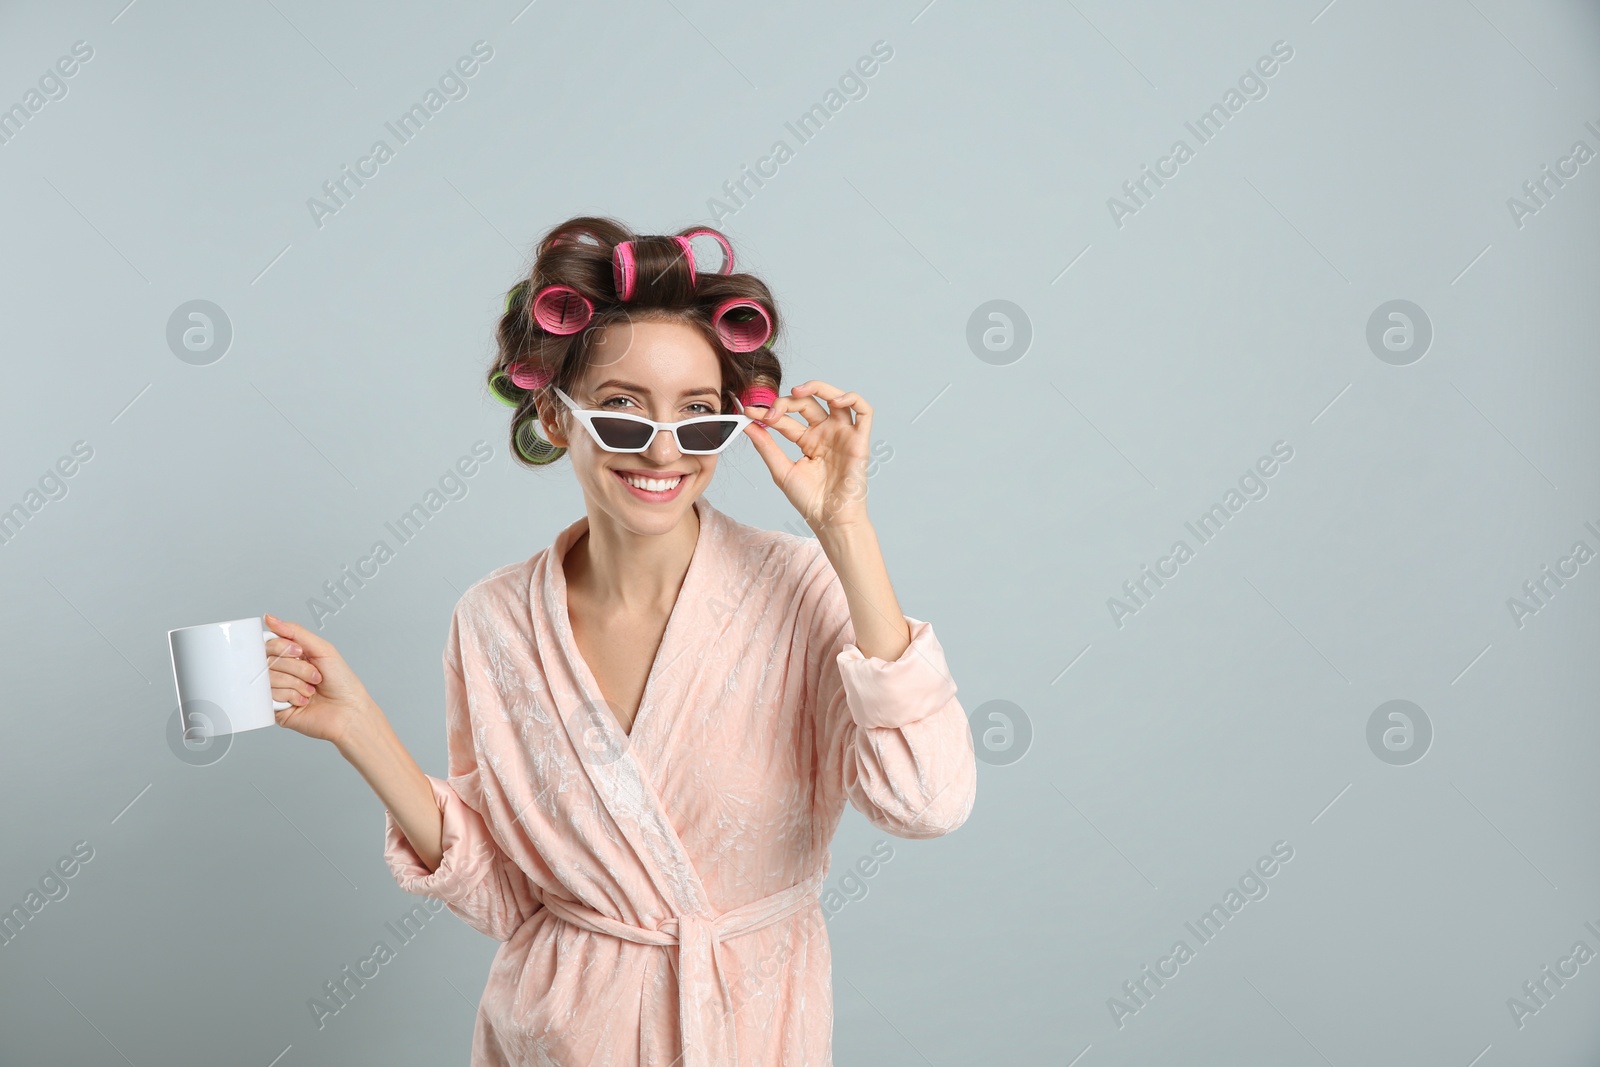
[{"x": 656, "y": 892}]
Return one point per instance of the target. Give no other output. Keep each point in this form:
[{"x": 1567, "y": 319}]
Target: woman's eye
[{"x": 620, "y": 401}]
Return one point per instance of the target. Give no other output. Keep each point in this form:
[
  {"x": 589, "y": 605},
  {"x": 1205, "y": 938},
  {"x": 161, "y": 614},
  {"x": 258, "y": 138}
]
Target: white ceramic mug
[{"x": 220, "y": 670}]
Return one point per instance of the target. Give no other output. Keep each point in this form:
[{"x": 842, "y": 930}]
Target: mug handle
[{"x": 277, "y": 705}]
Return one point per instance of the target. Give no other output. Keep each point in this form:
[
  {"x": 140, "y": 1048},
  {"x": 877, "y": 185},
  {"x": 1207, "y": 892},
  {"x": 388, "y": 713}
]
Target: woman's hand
[
  {"x": 309, "y": 673},
  {"x": 828, "y": 483}
]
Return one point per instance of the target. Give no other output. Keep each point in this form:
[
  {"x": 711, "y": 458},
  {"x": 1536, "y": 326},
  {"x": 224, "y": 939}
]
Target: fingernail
[
  {"x": 316, "y": 678},
  {"x": 295, "y": 650}
]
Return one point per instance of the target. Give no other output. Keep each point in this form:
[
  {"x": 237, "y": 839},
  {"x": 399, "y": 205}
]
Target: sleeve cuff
[
  {"x": 892, "y": 694},
  {"x": 464, "y": 838}
]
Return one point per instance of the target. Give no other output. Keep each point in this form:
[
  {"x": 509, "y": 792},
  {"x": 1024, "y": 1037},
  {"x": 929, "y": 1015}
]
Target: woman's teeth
[{"x": 653, "y": 485}]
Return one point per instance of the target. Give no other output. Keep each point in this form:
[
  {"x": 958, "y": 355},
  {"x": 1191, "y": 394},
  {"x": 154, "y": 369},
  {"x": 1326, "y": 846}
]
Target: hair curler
[
  {"x": 742, "y": 324},
  {"x": 625, "y": 264},
  {"x": 561, "y": 309},
  {"x": 520, "y": 289},
  {"x": 758, "y": 396},
  {"x": 624, "y": 270},
  {"x": 528, "y": 376},
  {"x": 509, "y": 384},
  {"x": 531, "y": 445},
  {"x": 501, "y": 385},
  {"x": 688, "y": 254},
  {"x": 727, "y": 249}
]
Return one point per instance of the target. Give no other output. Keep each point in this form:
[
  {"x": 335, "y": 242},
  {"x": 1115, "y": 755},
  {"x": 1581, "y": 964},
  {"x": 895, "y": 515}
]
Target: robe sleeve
[
  {"x": 891, "y": 733},
  {"x": 475, "y": 878}
]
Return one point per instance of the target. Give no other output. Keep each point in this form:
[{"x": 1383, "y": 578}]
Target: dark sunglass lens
[
  {"x": 705, "y": 436},
  {"x": 622, "y": 433}
]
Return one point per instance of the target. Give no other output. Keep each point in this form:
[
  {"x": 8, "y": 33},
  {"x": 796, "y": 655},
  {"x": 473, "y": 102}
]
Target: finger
[
  {"x": 817, "y": 387},
  {"x": 279, "y": 647},
  {"x": 288, "y": 687},
  {"x": 306, "y": 639},
  {"x": 835, "y": 397},
  {"x": 810, "y": 410},
  {"x": 854, "y": 401},
  {"x": 857, "y": 410},
  {"x": 777, "y": 409},
  {"x": 778, "y": 463},
  {"x": 842, "y": 408},
  {"x": 298, "y": 668},
  {"x": 279, "y": 679},
  {"x": 803, "y": 404},
  {"x": 791, "y": 405},
  {"x": 791, "y": 429}
]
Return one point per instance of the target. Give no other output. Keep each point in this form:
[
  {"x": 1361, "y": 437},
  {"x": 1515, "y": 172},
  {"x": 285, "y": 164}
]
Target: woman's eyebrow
[{"x": 637, "y": 388}]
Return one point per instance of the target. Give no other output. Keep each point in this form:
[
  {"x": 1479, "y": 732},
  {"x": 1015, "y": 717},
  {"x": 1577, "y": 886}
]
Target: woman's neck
[{"x": 618, "y": 570}]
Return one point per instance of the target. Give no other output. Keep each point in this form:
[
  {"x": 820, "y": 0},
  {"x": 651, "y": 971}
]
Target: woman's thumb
[{"x": 766, "y": 447}]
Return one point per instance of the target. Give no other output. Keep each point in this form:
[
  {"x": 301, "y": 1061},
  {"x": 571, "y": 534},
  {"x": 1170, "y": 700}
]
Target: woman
[{"x": 654, "y": 723}]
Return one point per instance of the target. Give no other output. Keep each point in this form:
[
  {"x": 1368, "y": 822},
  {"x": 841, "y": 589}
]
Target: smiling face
[{"x": 665, "y": 371}]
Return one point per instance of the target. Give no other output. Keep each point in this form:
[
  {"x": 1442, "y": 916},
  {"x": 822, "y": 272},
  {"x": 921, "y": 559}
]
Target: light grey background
[{"x": 1168, "y": 354}]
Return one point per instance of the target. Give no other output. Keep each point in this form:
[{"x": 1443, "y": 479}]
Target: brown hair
[{"x": 578, "y": 253}]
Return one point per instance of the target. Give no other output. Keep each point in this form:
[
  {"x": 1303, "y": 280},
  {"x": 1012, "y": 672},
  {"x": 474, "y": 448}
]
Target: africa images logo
[
  {"x": 342, "y": 188},
  {"x": 1210, "y": 123},
  {"x": 1252, "y": 886}
]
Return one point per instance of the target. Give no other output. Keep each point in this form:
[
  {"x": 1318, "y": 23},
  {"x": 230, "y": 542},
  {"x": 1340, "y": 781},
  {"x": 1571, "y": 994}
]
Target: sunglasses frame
[{"x": 588, "y": 415}]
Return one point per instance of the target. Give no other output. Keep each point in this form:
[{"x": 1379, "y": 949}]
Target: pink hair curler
[
  {"x": 688, "y": 254},
  {"x": 758, "y": 396},
  {"x": 625, "y": 266},
  {"x": 624, "y": 270},
  {"x": 727, "y": 249},
  {"x": 561, "y": 309},
  {"x": 746, "y": 332},
  {"x": 527, "y": 376}
]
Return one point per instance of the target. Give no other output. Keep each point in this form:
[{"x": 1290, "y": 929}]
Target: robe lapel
[{"x": 613, "y": 761}]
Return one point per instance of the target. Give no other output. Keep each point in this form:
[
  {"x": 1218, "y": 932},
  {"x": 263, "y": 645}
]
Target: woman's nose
[{"x": 664, "y": 447}]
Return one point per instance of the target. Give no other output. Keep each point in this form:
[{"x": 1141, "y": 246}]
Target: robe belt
[{"x": 699, "y": 939}]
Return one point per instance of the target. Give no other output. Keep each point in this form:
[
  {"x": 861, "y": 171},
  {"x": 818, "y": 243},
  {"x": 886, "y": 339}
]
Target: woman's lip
[
  {"x": 652, "y": 474},
  {"x": 647, "y": 495}
]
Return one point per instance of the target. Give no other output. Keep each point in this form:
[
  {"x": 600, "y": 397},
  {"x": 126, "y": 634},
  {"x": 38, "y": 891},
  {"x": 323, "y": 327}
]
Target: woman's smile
[{"x": 654, "y": 486}]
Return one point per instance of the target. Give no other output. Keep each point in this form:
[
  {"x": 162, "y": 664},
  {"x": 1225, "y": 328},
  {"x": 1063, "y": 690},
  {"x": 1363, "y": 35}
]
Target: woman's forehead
[{"x": 667, "y": 357}]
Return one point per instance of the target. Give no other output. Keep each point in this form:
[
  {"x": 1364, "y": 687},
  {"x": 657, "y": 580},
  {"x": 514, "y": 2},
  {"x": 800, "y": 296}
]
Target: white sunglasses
[{"x": 617, "y": 431}]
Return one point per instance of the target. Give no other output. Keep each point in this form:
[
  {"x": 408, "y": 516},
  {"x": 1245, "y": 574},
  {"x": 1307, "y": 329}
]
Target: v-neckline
[{"x": 666, "y": 649}]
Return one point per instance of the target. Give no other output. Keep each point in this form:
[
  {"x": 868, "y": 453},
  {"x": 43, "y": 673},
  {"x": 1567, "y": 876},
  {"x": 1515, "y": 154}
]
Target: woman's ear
[{"x": 552, "y": 432}]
